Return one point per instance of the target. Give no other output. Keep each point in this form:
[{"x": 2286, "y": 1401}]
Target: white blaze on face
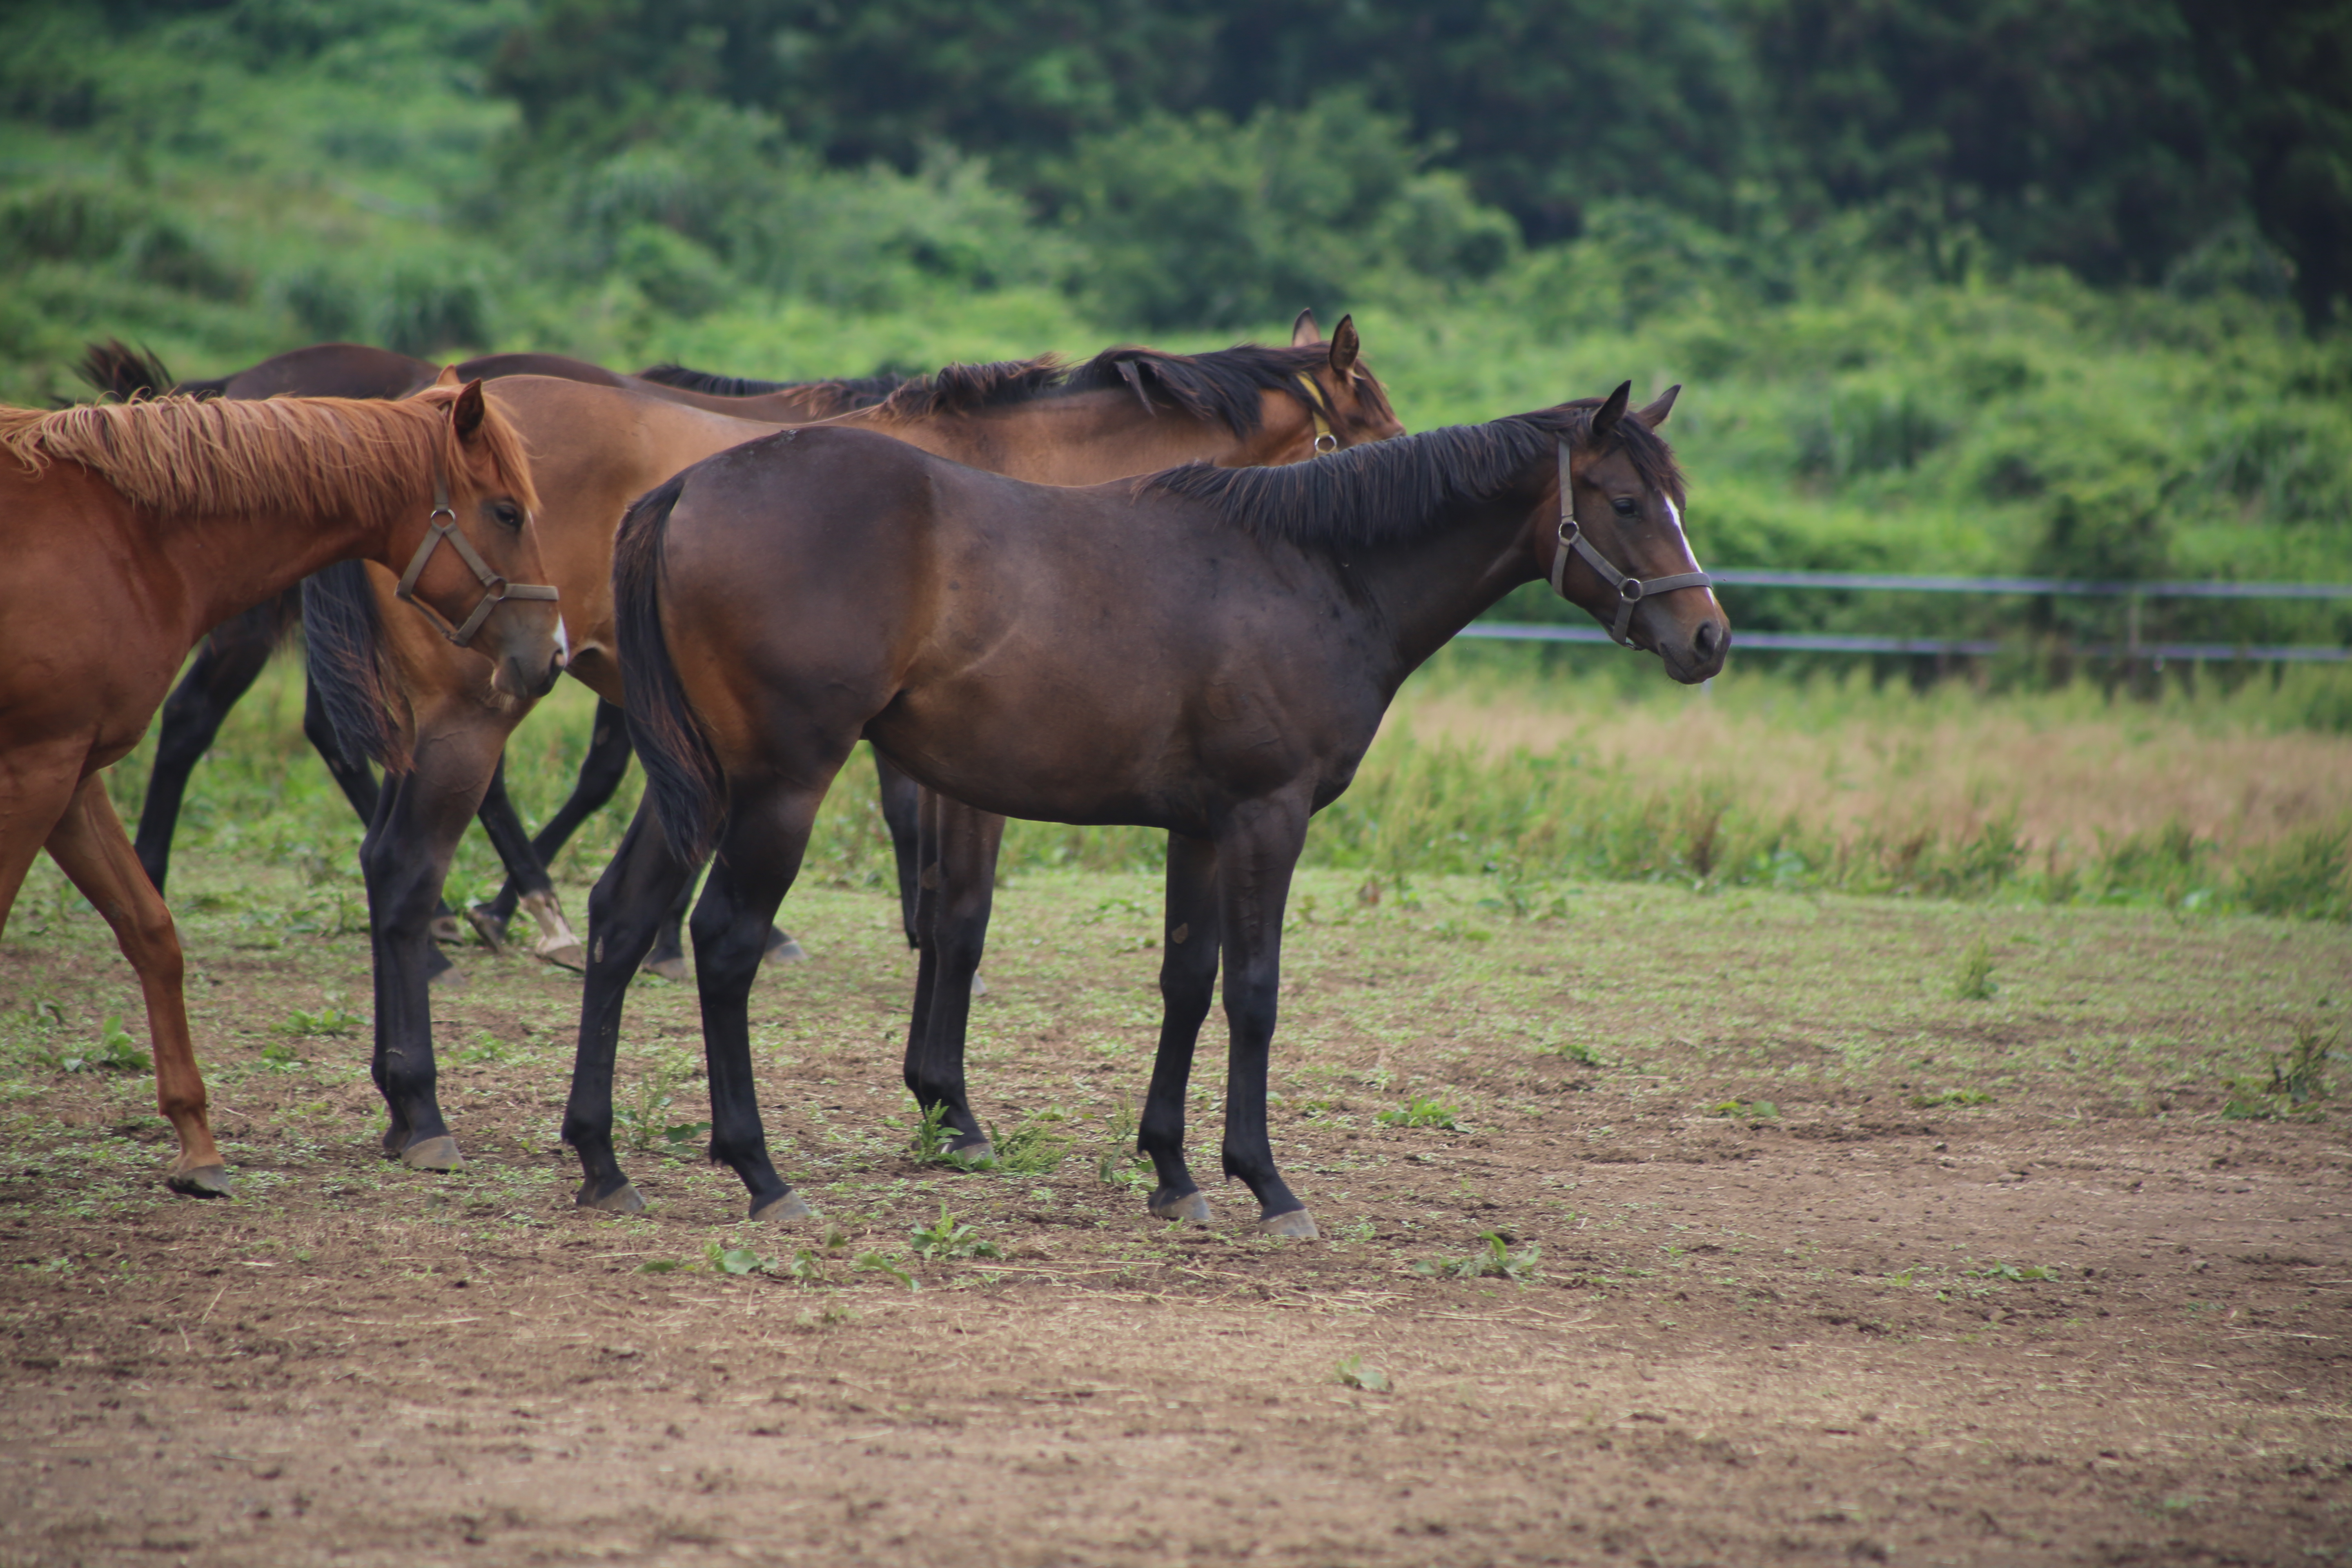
[
  {"x": 1675, "y": 513},
  {"x": 563, "y": 643}
]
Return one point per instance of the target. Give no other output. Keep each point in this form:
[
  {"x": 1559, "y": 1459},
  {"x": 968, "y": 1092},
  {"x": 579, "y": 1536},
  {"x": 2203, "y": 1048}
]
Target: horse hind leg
[
  {"x": 1188, "y": 983},
  {"x": 955, "y": 892},
  {"x": 1256, "y": 854},
  {"x": 89, "y": 845},
  {"x": 223, "y": 671}
]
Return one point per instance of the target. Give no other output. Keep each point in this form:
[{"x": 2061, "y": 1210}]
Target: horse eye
[
  {"x": 508, "y": 513},
  {"x": 1626, "y": 506}
]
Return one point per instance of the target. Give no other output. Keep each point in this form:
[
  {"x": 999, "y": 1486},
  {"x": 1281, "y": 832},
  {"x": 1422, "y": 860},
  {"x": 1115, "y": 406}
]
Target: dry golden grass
[{"x": 2073, "y": 766}]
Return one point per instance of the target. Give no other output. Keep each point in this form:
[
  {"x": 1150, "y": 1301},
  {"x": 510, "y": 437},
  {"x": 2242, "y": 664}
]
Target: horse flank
[
  {"x": 326, "y": 456},
  {"x": 1394, "y": 491}
]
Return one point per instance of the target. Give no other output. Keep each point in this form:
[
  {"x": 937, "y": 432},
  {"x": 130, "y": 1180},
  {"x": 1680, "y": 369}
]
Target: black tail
[
  {"x": 860, "y": 391},
  {"x": 347, "y": 666},
  {"x": 682, "y": 776}
]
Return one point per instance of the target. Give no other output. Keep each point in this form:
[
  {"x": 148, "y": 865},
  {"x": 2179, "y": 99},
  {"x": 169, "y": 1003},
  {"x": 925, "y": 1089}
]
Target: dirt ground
[{"x": 1818, "y": 1262}]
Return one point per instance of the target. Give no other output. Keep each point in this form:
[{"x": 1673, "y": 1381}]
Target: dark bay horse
[
  {"x": 1206, "y": 651},
  {"x": 235, "y": 652},
  {"x": 422, "y": 707},
  {"x": 129, "y": 530}
]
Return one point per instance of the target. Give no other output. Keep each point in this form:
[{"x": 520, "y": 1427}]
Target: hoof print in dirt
[
  {"x": 1192, "y": 1205},
  {"x": 783, "y": 1210},
  {"x": 201, "y": 1182},
  {"x": 433, "y": 1154},
  {"x": 1297, "y": 1225},
  {"x": 623, "y": 1199}
]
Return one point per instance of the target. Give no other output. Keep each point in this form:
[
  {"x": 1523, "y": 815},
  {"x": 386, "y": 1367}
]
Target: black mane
[
  {"x": 1392, "y": 490},
  {"x": 861, "y": 391},
  {"x": 1223, "y": 386}
]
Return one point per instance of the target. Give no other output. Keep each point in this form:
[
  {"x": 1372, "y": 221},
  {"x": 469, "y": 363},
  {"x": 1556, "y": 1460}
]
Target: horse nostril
[{"x": 1706, "y": 639}]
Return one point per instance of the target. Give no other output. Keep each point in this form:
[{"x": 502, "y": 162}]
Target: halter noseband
[
  {"x": 1630, "y": 591},
  {"x": 495, "y": 590}
]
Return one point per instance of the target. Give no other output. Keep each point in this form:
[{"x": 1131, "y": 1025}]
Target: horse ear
[
  {"x": 465, "y": 414},
  {"x": 449, "y": 376},
  {"x": 1345, "y": 347},
  {"x": 1655, "y": 414},
  {"x": 1604, "y": 418},
  {"x": 1304, "y": 330}
]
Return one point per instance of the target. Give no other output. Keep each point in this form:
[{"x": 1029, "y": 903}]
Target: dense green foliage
[{"x": 1840, "y": 226}]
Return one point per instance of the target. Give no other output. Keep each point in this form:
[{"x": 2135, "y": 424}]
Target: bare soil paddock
[{"x": 1830, "y": 1266}]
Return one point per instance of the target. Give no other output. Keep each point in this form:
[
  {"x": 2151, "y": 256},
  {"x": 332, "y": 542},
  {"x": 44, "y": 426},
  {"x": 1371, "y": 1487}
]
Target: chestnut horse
[
  {"x": 129, "y": 530},
  {"x": 235, "y": 652},
  {"x": 416, "y": 704},
  {"x": 1205, "y": 651}
]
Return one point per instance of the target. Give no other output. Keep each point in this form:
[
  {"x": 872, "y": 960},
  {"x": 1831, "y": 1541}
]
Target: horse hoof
[
  {"x": 444, "y": 929},
  {"x": 783, "y": 1210},
  {"x": 1297, "y": 1225},
  {"x": 975, "y": 1156},
  {"x": 489, "y": 927},
  {"x": 623, "y": 1199},
  {"x": 564, "y": 955},
  {"x": 449, "y": 979},
  {"x": 667, "y": 968},
  {"x": 979, "y": 987},
  {"x": 433, "y": 1154},
  {"x": 783, "y": 948},
  {"x": 201, "y": 1182},
  {"x": 1193, "y": 1205}
]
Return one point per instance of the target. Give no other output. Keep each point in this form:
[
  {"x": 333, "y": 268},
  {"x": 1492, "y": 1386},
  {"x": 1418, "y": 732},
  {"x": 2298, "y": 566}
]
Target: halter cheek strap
[
  {"x": 495, "y": 590},
  {"x": 1325, "y": 440},
  {"x": 1630, "y": 591}
]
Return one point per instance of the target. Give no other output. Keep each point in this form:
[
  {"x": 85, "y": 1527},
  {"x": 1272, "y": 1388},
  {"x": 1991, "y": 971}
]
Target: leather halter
[
  {"x": 495, "y": 590},
  {"x": 1630, "y": 591},
  {"x": 1325, "y": 439}
]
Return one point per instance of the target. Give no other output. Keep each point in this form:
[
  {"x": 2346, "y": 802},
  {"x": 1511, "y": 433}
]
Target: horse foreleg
[
  {"x": 954, "y": 893},
  {"x": 404, "y": 859},
  {"x": 356, "y": 778},
  {"x": 1188, "y": 983},
  {"x": 524, "y": 869},
  {"x": 216, "y": 678},
  {"x": 89, "y": 845},
  {"x": 759, "y": 855},
  {"x": 630, "y": 903},
  {"x": 902, "y": 815},
  {"x": 601, "y": 772},
  {"x": 1257, "y": 850}
]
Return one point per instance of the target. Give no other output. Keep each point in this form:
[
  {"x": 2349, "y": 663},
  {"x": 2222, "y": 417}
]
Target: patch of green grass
[
  {"x": 2297, "y": 1080},
  {"x": 1494, "y": 1260},
  {"x": 948, "y": 1237},
  {"x": 1762, "y": 1110},
  {"x": 1960, "y": 1097},
  {"x": 2014, "y": 1273},
  {"x": 116, "y": 1051},
  {"x": 1421, "y": 1111},
  {"x": 1973, "y": 982},
  {"x": 642, "y": 1121},
  {"x": 1357, "y": 1373}
]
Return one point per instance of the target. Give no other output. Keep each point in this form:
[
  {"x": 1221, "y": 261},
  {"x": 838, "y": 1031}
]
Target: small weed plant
[
  {"x": 643, "y": 1119},
  {"x": 1959, "y": 1097},
  {"x": 2014, "y": 1273},
  {"x": 116, "y": 1052},
  {"x": 2298, "y": 1080},
  {"x": 1035, "y": 1148},
  {"x": 1357, "y": 1373},
  {"x": 1121, "y": 1163},
  {"x": 948, "y": 1237},
  {"x": 332, "y": 1018},
  {"x": 1974, "y": 982},
  {"x": 1745, "y": 1110},
  {"x": 1493, "y": 1261},
  {"x": 1421, "y": 1111}
]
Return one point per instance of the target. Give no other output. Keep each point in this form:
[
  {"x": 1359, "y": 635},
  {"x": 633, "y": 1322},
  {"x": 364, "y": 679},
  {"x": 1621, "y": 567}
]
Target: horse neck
[
  {"x": 226, "y": 562},
  {"x": 1082, "y": 438},
  {"x": 1417, "y": 593}
]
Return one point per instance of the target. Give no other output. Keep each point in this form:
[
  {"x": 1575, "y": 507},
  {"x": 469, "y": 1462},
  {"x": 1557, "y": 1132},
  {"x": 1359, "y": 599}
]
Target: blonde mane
[{"x": 324, "y": 456}]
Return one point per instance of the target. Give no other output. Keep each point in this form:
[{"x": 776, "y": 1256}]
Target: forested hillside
[{"x": 1994, "y": 285}]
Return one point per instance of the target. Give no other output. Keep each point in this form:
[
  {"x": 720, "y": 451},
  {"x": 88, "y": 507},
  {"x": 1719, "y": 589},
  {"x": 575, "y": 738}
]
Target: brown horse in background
[
  {"x": 1205, "y": 651},
  {"x": 235, "y": 652},
  {"x": 131, "y": 530},
  {"x": 595, "y": 450}
]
